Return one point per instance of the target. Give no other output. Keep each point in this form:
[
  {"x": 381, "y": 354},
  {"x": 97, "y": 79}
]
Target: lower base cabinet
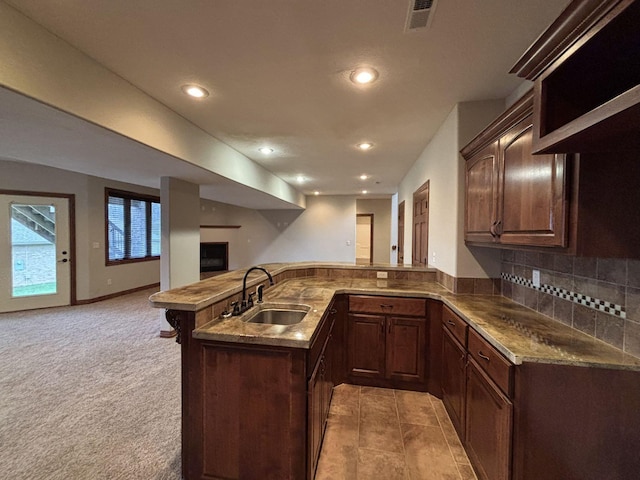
[{"x": 488, "y": 425}]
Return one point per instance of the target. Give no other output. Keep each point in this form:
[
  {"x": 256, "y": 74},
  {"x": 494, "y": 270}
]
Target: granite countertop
[{"x": 519, "y": 333}]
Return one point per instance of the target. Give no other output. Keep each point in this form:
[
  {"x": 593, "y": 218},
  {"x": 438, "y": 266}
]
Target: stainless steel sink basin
[{"x": 277, "y": 314}]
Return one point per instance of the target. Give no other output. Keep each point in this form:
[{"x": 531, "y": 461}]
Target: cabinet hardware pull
[
  {"x": 385, "y": 305},
  {"x": 451, "y": 323},
  {"x": 484, "y": 357},
  {"x": 333, "y": 311},
  {"x": 498, "y": 228},
  {"x": 493, "y": 229}
]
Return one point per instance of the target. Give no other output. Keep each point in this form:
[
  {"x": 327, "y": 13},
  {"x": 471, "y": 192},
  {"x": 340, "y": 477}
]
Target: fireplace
[{"x": 214, "y": 256}]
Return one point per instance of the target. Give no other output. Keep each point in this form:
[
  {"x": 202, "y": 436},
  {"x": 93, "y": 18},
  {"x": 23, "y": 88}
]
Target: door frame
[
  {"x": 401, "y": 222},
  {"x": 420, "y": 192},
  {"x": 71, "y": 199},
  {"x": 370, "y": 215}
]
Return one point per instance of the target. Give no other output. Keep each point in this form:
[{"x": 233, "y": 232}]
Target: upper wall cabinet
[
  {"x": 587, "y": 79},
  {"x": 512, "y": 196}
]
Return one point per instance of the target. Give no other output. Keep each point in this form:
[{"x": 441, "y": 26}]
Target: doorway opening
[
  {"x": 364, "y": 238},
  {"x": 401, "y": 233}
]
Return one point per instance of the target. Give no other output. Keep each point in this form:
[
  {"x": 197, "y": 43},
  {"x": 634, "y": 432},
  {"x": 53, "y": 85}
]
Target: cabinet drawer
[
  {"x": 457, "y": 326},
  {"x": 492, "y": 362},
  {"x": 387, "y": 305}
]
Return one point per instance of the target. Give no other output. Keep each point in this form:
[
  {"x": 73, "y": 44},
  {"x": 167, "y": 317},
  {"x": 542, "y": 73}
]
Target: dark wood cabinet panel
[
  {"x": 405, "y": 349},
  {"x": 499, "y": 369},
  {"x": 512, "y": 196},
  {"x": 482, "y": 195},
  {"x": 454, "y": 360},
  {"x": 366, "y": 346},
  {"x": 488, "y": 426},
  {"x": 388, "y": 345},
  {"x": 532, "y": 205}
]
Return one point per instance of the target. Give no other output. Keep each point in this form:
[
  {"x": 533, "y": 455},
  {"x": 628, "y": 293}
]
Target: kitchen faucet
[{"x": 247, "y": 304}]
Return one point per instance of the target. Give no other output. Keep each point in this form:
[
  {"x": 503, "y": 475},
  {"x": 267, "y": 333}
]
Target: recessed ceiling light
[
  {"x": 365, "y": 146},
  {"x": 316, "y": 193},
  {"x": 195, "y": 91},
  {"x": 265, "y": 150},
  {"x": 363, "y": 75},
  {"x": 364, "y": 192},
  {"x": 363, "y": 177},
  {"x": 300, "y": 179}
]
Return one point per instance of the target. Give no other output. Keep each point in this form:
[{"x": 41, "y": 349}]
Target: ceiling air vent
[{"x": 420, "y": 14}]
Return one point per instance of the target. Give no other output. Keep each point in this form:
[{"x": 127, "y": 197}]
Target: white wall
[
  {"x": 40, "y": 65},
  {"x": 443, "y": 166},
  {"x": 381, "y": 210},
  {"x": 319, "y": 233},
  {"x": 92, "y": 273}
]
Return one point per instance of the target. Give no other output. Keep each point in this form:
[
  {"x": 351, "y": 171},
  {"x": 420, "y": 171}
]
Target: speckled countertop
[{"x": 521, "y": 334}]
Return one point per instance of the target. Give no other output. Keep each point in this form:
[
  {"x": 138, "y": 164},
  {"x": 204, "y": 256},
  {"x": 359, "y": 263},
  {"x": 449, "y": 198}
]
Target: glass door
[{"x": 35, "y": 261}]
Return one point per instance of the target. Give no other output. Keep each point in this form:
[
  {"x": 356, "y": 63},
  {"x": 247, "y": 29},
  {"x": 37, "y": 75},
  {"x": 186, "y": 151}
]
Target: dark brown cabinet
[
  {"x": 512, "y": 196},
  {"x": 488, "y": 425},
  {"x": 454, "y": 362},
  {"x": 387, "y": 341},
  {"x": 587, "y": 79}
]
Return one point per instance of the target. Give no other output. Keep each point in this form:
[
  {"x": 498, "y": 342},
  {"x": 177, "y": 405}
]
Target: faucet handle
[
  {"x": 250, "y": 300},
  {"x": 259, "y": 291},
  {"x": 236, "y": 309}
]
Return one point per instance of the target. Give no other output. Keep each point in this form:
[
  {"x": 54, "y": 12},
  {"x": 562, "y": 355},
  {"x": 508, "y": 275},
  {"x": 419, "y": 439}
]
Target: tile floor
[{"x": 377, "y": 433}]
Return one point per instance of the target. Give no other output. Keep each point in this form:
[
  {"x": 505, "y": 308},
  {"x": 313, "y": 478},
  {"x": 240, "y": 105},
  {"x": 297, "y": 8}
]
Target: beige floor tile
[
  {"x": 385, "y": 392},
  {"x": 427, "y": 453},
  {"x": 377, "y": 465},
  {"x": 379, "y": 426},
  {"x": 345, "y": 400},
  {"x": 340, "y": 464},
  {"x": 467, "y": 473},
  {"x": 415, "y": 408},
  {"x": 459, "y": 454}
]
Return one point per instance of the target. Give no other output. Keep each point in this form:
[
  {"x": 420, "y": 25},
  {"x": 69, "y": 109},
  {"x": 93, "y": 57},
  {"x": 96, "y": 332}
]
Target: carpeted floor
[{"x": 89, "y": 392}]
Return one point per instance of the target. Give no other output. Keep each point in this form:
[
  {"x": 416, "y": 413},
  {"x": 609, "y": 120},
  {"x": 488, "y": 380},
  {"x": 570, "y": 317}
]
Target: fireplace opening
[{"x": 214, "y": 256}]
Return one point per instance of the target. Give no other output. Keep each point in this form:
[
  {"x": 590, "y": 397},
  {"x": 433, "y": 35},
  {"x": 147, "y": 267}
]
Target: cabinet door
[
  {"x": 533, "y": 209},
  {"x": 406, "y": 349},
  {"x": 488, "y": 426},
  {"x": 314, "y": 418},
  {"x": 327, "y": 380},
  {"x": 454, "y": 358},
  {"x": 366, "y": 345},
  {"x": 481, "y": 195}
]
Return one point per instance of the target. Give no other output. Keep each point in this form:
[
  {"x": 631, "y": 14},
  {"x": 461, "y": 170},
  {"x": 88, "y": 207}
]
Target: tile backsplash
[{"x": 598, "y": 296}]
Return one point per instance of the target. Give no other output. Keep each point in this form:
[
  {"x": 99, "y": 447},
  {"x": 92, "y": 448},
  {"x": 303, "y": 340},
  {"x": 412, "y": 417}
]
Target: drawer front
[
  {"x": 499, "y": 369},
  {"x": 415, "y": 307},
  {"x": 457, "y": 326}
]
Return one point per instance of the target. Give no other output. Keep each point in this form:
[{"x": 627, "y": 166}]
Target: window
[{"x": 132, "y": 227}]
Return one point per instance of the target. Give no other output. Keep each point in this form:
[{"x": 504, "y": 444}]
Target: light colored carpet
[{"x": 89, "y": 392}]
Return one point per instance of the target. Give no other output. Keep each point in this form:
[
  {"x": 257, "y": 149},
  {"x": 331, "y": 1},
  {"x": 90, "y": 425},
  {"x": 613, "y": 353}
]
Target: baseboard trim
[
  {"x": 168, "y": 333},
  {"x": 115, "y": 295}
]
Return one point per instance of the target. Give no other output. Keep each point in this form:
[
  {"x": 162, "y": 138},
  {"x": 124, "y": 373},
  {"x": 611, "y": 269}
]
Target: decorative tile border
[{"x": 580, "y": 299}]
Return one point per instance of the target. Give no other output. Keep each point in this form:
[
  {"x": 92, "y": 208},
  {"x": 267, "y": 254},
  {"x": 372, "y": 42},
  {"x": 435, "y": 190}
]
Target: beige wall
[
  {"x": 92, "y": 273},
  {"x": 381, "y": 210},
  {"x": 40, "y": 65},
  {"x": 442, "y": 164}
]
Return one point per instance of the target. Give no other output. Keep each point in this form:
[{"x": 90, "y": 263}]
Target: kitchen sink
[{"x": 277, "y": 314}]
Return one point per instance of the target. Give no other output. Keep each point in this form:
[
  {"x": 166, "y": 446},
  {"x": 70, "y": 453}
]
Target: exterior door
[
  {"x": 421, "y": 225},
  {"x": 35, "y": 256}
]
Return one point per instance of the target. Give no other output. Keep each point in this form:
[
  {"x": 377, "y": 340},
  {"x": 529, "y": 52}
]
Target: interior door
[
  {"x": 421, "y": 225},
  {"x": 401, "y": 233},
  {"x": 35, "y": 257},
  {"x": 364, "y": 238}
]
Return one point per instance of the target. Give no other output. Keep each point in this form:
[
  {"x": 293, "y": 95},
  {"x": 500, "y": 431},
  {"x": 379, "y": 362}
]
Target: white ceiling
[{"x": 278, "y": 73}]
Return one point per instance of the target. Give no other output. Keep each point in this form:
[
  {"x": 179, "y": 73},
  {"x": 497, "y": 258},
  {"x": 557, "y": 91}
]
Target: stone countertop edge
[
  {"x": 519, "y": 333},
  {"x": 197, "y": 296}
]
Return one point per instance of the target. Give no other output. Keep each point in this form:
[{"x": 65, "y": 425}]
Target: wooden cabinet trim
[
  {"x": 498, "y": 368},
  {"x": 380, "y": 305}
]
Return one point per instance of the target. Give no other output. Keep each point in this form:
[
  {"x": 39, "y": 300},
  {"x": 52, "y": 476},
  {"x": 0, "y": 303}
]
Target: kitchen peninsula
[{"x": 255, "y": 396}]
